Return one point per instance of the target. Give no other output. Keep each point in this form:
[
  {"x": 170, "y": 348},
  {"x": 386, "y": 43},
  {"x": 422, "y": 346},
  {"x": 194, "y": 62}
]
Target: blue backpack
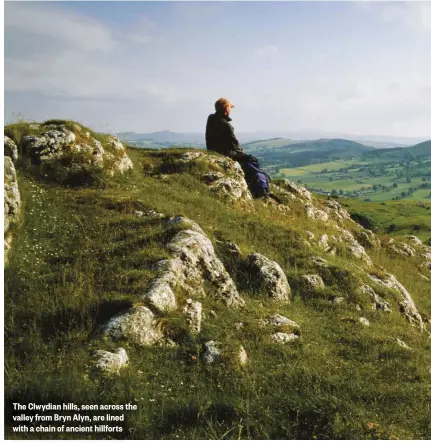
[{"x": 257, "y": 180}]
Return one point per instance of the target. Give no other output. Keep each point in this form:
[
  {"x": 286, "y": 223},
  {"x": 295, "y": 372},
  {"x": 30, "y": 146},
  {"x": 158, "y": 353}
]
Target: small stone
[
  {"x": 110, "y": 362},
  {"x": 189, "y": 301},
  {"x": 211, "y": 353},
  {"x": 338, "y": 300},
  {"x": 242, "y": 356},
  {"x": 282, "y": 337},
  {"x": 402, "y": 344},
  {"x": 238, "y": 326},
  {"x": 139, "y": 213},
  {"x": 313, "y": 281},
  {"x": 280, "y": 320},
  {"x": 364, "y": 321}
]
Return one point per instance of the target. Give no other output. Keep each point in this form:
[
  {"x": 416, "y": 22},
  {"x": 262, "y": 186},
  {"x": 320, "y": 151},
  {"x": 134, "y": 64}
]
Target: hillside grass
[
  {"x": 81, "y": 255},
  {"x": 396, "y": 218}
]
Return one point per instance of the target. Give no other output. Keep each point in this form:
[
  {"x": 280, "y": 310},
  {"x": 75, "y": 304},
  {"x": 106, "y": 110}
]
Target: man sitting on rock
[
  {"x": 219, "y": 134},
  {"x": 220, "y": 137}
]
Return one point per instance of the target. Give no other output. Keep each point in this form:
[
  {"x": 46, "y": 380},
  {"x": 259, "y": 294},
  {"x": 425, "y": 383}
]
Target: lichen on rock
[{"x": 270, "y": 278}]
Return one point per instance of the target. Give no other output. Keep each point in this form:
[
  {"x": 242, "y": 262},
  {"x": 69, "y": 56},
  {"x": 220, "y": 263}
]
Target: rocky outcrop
[
  {"x": 316, "y": 214},
  {"x": 110, "y": 362},
  {"x": 377, "y": 303},
  {"x": 195, "y": 262},
  {"x": 10, "y": 149},
  {"x": 404, "y": 299},
  {"x": 193, "y": 265},
  {"x": 193, "y": 314},
  {"x": 226, "y": 179},
  {"x": 399, "y": 248},
  {"x": 180, "y": 222},
  {"x": 336, "y": 211},
  {"x": 414, "y": 240},
  {"x": 295, "y": 190},
  {"x": 137, "y": 325},
  {"x": 12, "y": 198},
  {"x": 269, "y": 277},
  {"x": 12, "y": 203},
  {"x": 62, "y": 155},
  {"x": 312, "y": 282}
]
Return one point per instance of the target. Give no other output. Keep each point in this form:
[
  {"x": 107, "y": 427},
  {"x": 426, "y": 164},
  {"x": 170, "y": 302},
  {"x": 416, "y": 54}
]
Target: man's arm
[{"x": 235, "y": 151}]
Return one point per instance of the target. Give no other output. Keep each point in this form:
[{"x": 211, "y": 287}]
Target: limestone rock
[
  {"x": 137, "y": 325},
  {"x": 313, "y": 281},
  {"x": 115, "y": 143},
  {"x": 315, "y": 213},
  {"x": 193, "y": 263},
  {"x": 193, "y": 312},
  {"x": 281, "y": 320},
  {"x": 184, "y": 223},
  {"x": 242, "y": 356},
  {"x": 12, "y": 198},
  {"x": 283, "y": 337},
  {"x": 336, "y": 210},
  {"x": 319, "y": 261},
  {"x": 160, "y": 295},
  {"x": 402, "y": 344},
  {"x": 61, "y": 157},
  {"x": 110, "y": 362},
  {"x": 310, "y": 235},
  {"x": 364, "y": 321},
  {"x": 230, "y": 188},
  {"x": 401, "y": 249},
  {"x": 377, "y": 302},
  {"x": 212, "y": 353},
  {"x": 270, "y": 276},
  {"x": 295, "y": 189},
  {"x": 414, "y": 240},
  {"x": 227, "y": 182},
  {"x": 405, "y": 301},
  {"x": 10, "y": 149}
]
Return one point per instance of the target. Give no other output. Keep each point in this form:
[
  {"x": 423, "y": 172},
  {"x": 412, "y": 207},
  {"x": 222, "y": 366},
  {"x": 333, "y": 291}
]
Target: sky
[{"x": 353, "y": 67}]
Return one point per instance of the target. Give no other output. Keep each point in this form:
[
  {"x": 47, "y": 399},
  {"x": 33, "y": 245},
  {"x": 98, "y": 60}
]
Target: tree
[{"x": 394, "y": 185}]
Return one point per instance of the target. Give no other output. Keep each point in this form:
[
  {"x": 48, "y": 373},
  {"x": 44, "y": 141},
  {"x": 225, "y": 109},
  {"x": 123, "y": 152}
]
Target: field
[
  {"x": 397, "y": 218},
  {"x": 372, "y": 181}
]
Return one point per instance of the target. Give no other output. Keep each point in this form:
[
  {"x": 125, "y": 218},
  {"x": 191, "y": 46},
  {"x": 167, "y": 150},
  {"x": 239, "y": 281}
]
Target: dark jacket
[{"x": 220, "y": 137}]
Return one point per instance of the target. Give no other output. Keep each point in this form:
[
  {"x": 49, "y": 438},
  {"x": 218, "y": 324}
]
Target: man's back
[{"x": 220, "y": 137}]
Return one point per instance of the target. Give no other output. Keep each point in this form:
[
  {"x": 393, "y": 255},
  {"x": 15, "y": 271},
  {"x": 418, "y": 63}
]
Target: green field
[{"x": 398, "y": 218}]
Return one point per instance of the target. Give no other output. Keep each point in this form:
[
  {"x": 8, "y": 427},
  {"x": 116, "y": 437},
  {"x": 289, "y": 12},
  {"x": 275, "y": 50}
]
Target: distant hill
[
  {"x": 293, "y": 154},
  {"x": 420, "y": 150}
]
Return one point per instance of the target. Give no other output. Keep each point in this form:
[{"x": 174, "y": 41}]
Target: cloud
[
  {"x": 412, "y": 15},
  {"x": 72, "y": 30},
  {"x": 267, "y": 50},
  {"x": 61, "y": 54}
]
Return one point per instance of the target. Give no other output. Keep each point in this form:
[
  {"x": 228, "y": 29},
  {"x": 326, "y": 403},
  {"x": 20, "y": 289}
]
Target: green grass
[
  {"x": 398, "y": 218},
  {"x": 80, "y": 255}
]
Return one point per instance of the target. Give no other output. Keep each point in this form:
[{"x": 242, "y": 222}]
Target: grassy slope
[
  {"x": 408, "y": 217},
  {"x": 81, "y": 255}
]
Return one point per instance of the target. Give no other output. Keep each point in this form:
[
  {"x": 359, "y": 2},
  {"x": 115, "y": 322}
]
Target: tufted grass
[{"x": 81, "y": 255}]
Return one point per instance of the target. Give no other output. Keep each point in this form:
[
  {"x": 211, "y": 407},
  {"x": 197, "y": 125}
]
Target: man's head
[{"x": 223, "y": 105}]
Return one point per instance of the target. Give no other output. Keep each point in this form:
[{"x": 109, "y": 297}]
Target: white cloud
[
  {"x": 267, "y": 50},
  {"x": 72, "y": 30}
]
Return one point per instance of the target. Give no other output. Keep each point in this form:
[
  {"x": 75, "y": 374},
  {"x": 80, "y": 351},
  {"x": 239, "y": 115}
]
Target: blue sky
[{"x": 354, "y": 67}]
